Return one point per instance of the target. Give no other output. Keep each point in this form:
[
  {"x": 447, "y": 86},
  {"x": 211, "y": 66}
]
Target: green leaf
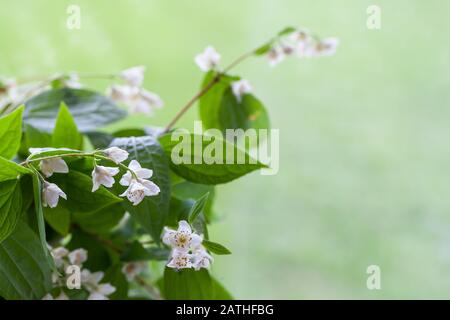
[
  {"x": 201, "y": 165},
  {"x": 286, "y": 31},
  {"x": 209, "y": 103},
  {"x": 80, "y": 198},
  {"x": 219, "y": 292},
  {"x": 215, "y": 247},
  {"x": 189, "y": 190},
  {"x": 137, "y": 252},
  {"x": 65, "y": 134},
  {"x": 24, "y": 272},
  {"x": 35, "y": 138},
  {"x": 263, "y": 49},
  {"x": 58, "y": 218},
  {"x": 198, "y": 208},
  {"x": 100, "y": 221},
  {"x": 100, "y": 140},
  {"x": 11, "y": 133},
  {"x": 10, "y": 170},
  {"x": 10, "y": 207},
  {"x": 89, "y": 109},
  {"x": 48, "y": 152},
  {"x": 187, "y": 284},
  {"x": 249, "y": 113},
  {"x": 152, "y": 212}
]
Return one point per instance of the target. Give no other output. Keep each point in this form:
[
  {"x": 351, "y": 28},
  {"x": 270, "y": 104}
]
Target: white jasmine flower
[
  {"x": 240, "y": 88},
  {"x": 183, "y": 239},
  {"x": 208, "y": 59},
  {"x": 51, "y": 194},
  {"x": 133, "y": 76},
  {"x": 326, "y": 47},
  {"x": 275, "y": 56},
  {"x": 180, "y": 260},
  {"x": 116, "y": 154},
  {"x": 78, "y": 256},
  {"x": 58, "y": 255},
  {"x": 49, "y": 166},
  {"x": 89, "y": 278},
  {"x": 140, "y": 101},
  {"x": 132, "y": 269},
  {"x": 201, "y": 258},
  {"x": 103, "y": 176}
]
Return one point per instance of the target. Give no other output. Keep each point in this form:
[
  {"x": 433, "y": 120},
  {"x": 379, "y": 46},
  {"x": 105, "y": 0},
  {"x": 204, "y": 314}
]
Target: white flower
[
  {"x": 103, "y": 176},
  {"x": 240, "y": 88},
  {"x": 326, "y": 47},
  {"x": 138, "y": 187},
  {"x": 51, "y": 194},
  {"x": 62, "y": 296},
  {"x": 275, "y": 56},
  {"x": 140, "y": 101},
  {"x": 78, "y": 256},
  {"x": 201, "y": 258},
  {"x": 132, "y": 269},
  {"x": 133, "y": 76},
  {"x": 116, "y": 154},
  {"x": 98, "y": 291},
  {"x": 180, "y": 260},
  {"x": 101, "y": 292},
  {"x": 208, "y": 59},
  {"x": 183, "y": 239},
  {"x": 141, "y": 173},
  {"x": 58, "y": 255},
  {"x": 49, "y": 166}
]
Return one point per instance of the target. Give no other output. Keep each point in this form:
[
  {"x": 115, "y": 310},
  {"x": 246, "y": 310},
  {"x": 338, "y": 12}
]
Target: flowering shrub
[{"x": 86, "y": 213}]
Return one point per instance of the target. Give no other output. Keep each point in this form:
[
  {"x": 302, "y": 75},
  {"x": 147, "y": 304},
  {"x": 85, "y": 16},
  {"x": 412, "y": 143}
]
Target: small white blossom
[
  {"x": 78, "y": 256},
  {"x": 51, "y": 194},
  {"x": 275, "y": 56},
  {"x": 326, "y": 47},
  {"x": 208, "y": 59},
  {"x": 116, "y": 154},
  {"x": 139, "y": 101},
  {"x": 183, "y": 239},
  {"x": 103, "y": 176},
  {"x": 98, "y": 291},
  {"x": 49, "y": 166},
  {"x": 201, "y": 258},
  {"x": 132, "y": 269},
  {"x": 180, "y": 260},
  {"x": 133, "y": 76},
  {"x": 138, "y": 186},
  {"x": 62, "y": 296},
  {"x": 240, "y": 88},
  {"x": 58, "y": 255}
]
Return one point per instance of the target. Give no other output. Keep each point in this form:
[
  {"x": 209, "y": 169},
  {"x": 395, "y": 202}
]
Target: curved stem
[{"x": 205, "y": 89}]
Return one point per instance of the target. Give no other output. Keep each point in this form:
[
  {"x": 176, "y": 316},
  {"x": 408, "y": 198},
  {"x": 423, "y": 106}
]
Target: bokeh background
[{"x": 364, "y": 174}]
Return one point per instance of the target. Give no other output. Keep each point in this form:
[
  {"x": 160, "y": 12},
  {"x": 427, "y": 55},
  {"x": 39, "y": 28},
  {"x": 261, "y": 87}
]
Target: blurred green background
[{"x": 364, "y": 157}]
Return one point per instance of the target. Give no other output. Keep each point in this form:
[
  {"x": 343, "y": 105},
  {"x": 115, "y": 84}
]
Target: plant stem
[
  {"x": 205, "y": 89},
  {"x": 154, "y": 293}
]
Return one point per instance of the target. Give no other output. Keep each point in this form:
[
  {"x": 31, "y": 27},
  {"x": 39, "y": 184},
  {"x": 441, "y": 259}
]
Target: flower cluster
[
  {"x": 135, "y": 178},
  {"x": 132, "y": 94},
  {"x": 90, "y": 281},
  {"x": 187, "y": 248},
  {"x": 302, "y": 44}
]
